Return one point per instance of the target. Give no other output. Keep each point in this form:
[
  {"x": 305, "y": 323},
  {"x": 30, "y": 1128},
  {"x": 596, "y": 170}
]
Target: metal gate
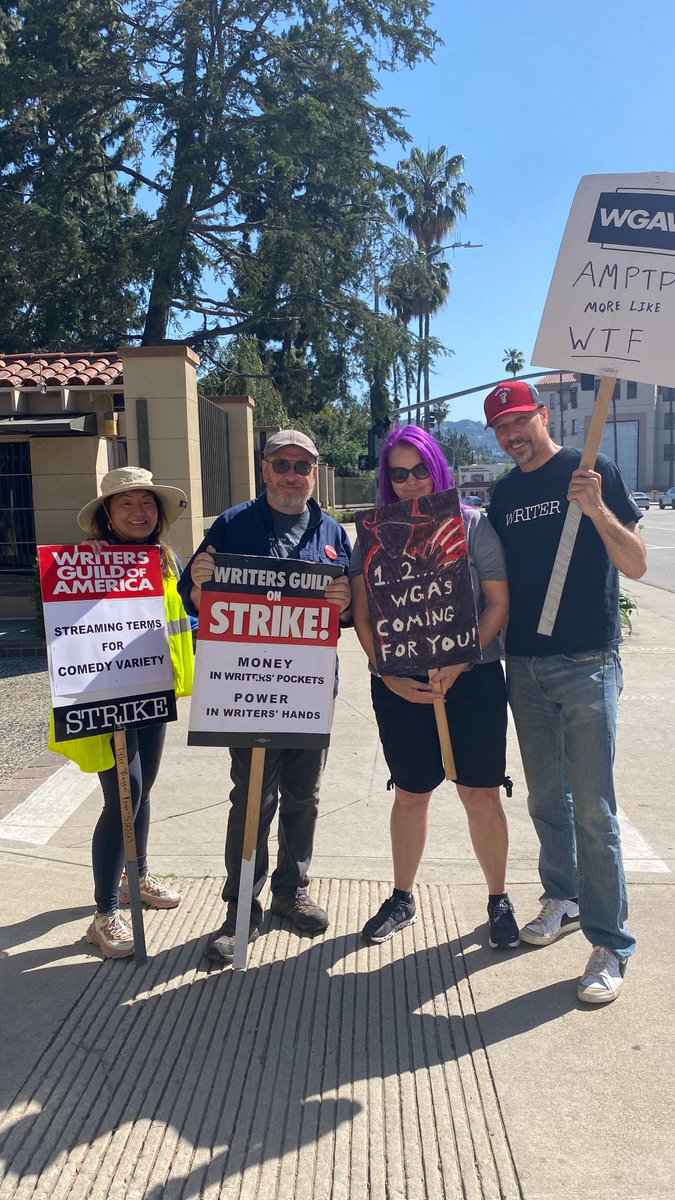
[{"x": 214, "y": 451}]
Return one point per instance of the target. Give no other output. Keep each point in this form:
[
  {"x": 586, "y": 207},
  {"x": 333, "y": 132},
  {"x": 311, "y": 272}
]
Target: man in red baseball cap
[
  {"x": 516, "y": 397},
  {"x": 564, "y": 689}
]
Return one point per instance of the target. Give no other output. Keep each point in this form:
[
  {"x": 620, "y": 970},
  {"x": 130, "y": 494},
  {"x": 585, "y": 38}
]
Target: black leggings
[{"x": 144, "y": 750}]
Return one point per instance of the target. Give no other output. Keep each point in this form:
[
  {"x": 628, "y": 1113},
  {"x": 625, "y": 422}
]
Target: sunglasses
[
  {"x": 281, "y": 466},
  {"x": 400, "y": 474}
]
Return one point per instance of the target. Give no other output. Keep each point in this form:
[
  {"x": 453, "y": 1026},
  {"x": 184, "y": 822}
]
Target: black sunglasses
[
  {"x": 400, "y": 474},
  {"x": 281, "y": 466}
]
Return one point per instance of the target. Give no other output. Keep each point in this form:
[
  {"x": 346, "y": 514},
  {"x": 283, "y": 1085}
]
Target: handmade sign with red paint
[
  {"x": 266, "y": 652},
  {"x": 107, "y": 641},
  {"x": 418, "y": 583}
]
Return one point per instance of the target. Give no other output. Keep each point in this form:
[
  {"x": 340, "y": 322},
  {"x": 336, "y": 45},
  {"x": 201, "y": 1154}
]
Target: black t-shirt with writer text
[{"x": 528, "y": 511}]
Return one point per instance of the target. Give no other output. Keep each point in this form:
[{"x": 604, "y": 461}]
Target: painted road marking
[
  {"x": 43, "y": 813},
  {"x": 637, "y": 853}
]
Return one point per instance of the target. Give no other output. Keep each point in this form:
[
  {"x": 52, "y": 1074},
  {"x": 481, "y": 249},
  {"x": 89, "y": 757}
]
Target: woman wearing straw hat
[{"x": 131, "y": 508}]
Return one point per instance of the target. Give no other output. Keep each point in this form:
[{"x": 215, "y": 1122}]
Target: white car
[
  {"x": 641, "y": 499},
  {"x": 667, "y": 500}
]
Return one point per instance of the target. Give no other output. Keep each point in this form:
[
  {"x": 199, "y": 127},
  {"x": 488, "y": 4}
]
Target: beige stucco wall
[
  {"x": 66, "y": 475},
  {"x": 166, "y": 377}
]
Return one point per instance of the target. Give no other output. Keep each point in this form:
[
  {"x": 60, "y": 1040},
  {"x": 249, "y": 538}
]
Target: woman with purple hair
[{"x": 412, "y": 464}]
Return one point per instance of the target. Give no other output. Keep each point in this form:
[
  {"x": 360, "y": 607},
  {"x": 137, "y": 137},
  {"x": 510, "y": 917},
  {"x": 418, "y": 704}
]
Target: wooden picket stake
[
  {"x": 128, "y": 832},
  {"x": 570, "y": 528},
  {"x": 444, "y": 733},
  {"x": 247, "y": 874}
]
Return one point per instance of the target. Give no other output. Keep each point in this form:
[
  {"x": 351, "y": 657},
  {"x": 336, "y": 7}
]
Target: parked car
[
  {"x": 667, "y": 500},
  {"x": 641, "y": 499},
  {"x": 473, "y": 501}
]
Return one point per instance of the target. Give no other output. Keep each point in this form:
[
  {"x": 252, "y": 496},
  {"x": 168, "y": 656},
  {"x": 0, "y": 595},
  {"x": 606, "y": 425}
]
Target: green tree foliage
[
  {"x": 428, "y": 199},
  {"x": 457, "y": 448},
  {"x": 341, "y": 433},
  {"x": 246, "y": 139},
  {"x": 514, "y": 361},
  {"x": 75, "y": 253},
  {"x": 241, "y": 372}
]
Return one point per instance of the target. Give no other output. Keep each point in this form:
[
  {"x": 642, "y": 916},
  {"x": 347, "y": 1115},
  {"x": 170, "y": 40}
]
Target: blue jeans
[{"x": 565, "y": 710}]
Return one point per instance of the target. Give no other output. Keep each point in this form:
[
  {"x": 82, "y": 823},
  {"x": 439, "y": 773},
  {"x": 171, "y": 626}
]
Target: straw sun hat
[{"x": 130, "y": 479}]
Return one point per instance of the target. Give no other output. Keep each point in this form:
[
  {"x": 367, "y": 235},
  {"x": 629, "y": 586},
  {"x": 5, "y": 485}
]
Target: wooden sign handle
[
  {"x": 247, "y": 874},
  {"x": 572, "y": 521},
  {"x": 444, "y": 734},
  {"x": 129, "y": 835}
]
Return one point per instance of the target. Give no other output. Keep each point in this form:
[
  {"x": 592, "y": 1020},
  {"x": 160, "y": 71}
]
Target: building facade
[{"x": 639, "y": 432}]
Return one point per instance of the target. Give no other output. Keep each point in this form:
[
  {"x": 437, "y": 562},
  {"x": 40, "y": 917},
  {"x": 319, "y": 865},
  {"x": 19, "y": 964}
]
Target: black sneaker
[
  {"x": 301, "y": 911},
  {"x": 396, "y": 913},
  {"x": 220, "y": 946},
  {"x": 504, "y": 933}
]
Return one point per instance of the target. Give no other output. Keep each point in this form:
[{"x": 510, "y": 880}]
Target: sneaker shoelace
[
  {"x": 600, "y": 960},
  {"x": 117, "y": 928}
]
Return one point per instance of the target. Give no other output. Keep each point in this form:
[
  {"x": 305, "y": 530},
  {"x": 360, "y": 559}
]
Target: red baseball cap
[{"x": 513, "y": 396}]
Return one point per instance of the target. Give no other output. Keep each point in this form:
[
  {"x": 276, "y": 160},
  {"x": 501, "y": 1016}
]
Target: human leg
[
  {"x": 539, "y": 727},
  {"x": 489, "y": 833},
  {"x": 579, "y": 694},
  {"x": 150, "y": 748},
  {"x": 107, "y": 841},
  {"x": 477, "y": 718},
  {"x": 240, "y": 769},
  {"x": 300, "y": 773},
  {"x": 589, "y": 698},
  {"x": 408, "y": 827},
  {"x": 411, "y": 749}
]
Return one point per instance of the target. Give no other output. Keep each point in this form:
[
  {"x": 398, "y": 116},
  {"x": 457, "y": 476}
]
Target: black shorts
[{"x": 477, "y": 719}]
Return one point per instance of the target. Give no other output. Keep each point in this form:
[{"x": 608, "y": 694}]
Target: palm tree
[
  {"x": 429, "y": 197},
  {"x": 514, "y": 361}
]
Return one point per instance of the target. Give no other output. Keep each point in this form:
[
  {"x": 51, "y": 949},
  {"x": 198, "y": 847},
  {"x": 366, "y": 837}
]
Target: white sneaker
[
  {"x": 556, "y": 917},
  {"x": 153, "y": 892},
  {"x": 603, "y": 978},
  {"x": 112, "y": 934}
]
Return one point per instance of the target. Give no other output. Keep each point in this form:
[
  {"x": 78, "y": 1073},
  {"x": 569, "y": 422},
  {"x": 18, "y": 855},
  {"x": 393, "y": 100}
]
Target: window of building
[
  {"x": 631, "y": 389},
  {"x": 616, "y": 395},
  {"x": 575, "y": 425},
  {"x": 551, "y": 427},
  {"x": 587, "y": 383},
  {"x": 574, "y": 398},
  {"x": 669, "y": 420},
  {"x": 668, "y": 452},
  {"x": 18, "y": 549},
  {"x": 668, "y": 395},
  {"x": 552, "y": 400},
  {"x": 596, "y": 387}
]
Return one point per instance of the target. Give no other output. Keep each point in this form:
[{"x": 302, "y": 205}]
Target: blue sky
[{"x": 534, "y": 94}]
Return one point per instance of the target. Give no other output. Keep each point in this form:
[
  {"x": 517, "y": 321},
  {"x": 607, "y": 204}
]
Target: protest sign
[
  {"x": 107, "y": 641},
  {"x": 610, "y": 310},
  {"x": 266, "y": 649},
  {"x": 418, "y": 583},
  {"x": 611, "y": 304}
]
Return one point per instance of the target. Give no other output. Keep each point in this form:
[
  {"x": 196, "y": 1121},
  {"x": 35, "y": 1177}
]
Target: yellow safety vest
[{"x": 94, "y": 754}]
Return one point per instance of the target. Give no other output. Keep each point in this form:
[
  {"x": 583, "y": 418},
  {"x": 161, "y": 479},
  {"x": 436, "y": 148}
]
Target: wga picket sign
[
  {"x": 107, "y": 641},
  {"x": 611, "y": 304}
]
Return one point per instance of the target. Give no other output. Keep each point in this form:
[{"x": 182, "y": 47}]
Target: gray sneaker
[
  {"x": 603, "y": 978},
  {"x": 556, "y": 917}
]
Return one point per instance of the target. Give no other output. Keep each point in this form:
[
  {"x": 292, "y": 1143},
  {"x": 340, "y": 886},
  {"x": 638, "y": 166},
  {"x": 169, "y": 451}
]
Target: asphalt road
[{"x": 658, "y": 530}]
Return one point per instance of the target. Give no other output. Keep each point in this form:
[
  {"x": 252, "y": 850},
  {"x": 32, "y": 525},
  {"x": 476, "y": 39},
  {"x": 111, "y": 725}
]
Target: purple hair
[{"x": 429, "y": 451}]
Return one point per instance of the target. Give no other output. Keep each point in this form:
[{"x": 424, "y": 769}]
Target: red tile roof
[
  {"x": 553, "y": 380},
  {"x": 87, "y": 368}
]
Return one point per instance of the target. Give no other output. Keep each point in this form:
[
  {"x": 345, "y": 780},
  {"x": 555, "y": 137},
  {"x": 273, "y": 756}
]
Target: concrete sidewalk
[{"x": 428, "y": 1067}]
